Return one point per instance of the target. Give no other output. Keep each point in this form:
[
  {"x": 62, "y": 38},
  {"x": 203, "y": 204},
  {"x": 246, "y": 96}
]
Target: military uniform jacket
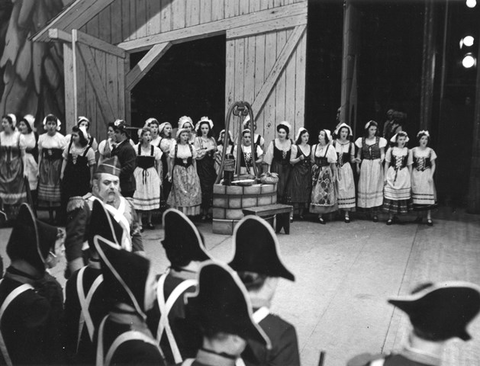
[
  {"x": 132, "y": 351},
  {"x": 78, "y": 222},
  {"x": 284, "y": 344},
  {"x": 25, "y": 322},
  {"x": 83, "y": 350},
  {"x": 127, "y": 156},
  {"x": 185, "y": 331}
]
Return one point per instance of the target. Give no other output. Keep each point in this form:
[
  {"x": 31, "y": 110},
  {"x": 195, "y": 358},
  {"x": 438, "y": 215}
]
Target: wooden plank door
[{"x": 95, "y": 82}]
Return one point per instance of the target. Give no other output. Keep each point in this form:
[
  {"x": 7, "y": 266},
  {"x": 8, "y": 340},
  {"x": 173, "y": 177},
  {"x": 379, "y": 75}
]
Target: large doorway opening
[
  {"x": 188, "y": 80},
  {"x": 324, "y": 65}
]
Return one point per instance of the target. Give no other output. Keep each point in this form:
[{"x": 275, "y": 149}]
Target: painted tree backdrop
[{"x": 31, "y": 74}]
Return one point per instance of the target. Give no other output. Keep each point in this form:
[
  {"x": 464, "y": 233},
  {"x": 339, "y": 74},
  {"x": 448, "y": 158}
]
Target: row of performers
[
  {"x": 183, "y": 170},
  {"x": 200, "y": 312},
  {"x": 320, "y": 178}
]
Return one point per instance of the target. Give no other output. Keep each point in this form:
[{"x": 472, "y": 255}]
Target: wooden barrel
[{"x": 228, "y": 202}]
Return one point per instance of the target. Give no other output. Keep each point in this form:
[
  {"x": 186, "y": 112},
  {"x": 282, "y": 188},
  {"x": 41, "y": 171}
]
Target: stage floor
[{"x": 345, "y": 273}]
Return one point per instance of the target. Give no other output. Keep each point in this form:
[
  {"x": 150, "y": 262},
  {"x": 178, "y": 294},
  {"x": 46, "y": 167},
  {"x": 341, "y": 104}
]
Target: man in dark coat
[
  {"x": 106, "y": 189},
  {"x": 123, "y": 337},
  {"x": 258, "y": 263},
  {"x": 185, "y": 249},
  {"x": 437, "y": 312},
  {"x": 127, "y": 156},
  {"x": 224, "y": 314},
  {"x": 85, "y": 301},
  {"x": 26, "y": 317}
]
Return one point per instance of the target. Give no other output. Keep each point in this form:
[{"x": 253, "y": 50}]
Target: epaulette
[{"x": 75, "y": 202}]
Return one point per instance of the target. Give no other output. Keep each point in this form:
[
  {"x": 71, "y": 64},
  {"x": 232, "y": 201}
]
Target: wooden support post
[
  {"x": 351, "y": 38},
  {"x": 74, "y": 62},
  {"x": 473, "y": 205},
  {"x": 428, "y": 66}
]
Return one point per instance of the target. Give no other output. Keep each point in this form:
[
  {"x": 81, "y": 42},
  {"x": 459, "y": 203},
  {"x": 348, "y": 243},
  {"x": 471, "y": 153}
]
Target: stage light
[
  {"x": 469, "y": 61},
  {"x": 468, "y": 41},
  {"x": 471, "y": 3}
]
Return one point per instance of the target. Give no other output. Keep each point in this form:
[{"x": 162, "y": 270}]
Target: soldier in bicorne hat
[
  {"x": 106, "y": 188},
  {"x": 27, "y": 318},
  {"x": 85, "y": 301},
  {"x": 224, "y": 314},
  {"x": 258, "y": 262},
  {"x": 123, "y": 337},
  {"x": 437, "y": 312},
  {"x": 184, "y": 246}
]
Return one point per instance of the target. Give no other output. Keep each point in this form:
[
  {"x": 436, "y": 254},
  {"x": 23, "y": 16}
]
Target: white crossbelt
[
  {"x": 85, "y": 317},
  {"x": 122, "y": 338},
  {"x": 11, "y": 296},
  {"x": 165, "y": 307}
]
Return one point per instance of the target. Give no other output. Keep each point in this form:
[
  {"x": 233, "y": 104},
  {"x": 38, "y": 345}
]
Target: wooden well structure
[{"x": 265, "y": 53}]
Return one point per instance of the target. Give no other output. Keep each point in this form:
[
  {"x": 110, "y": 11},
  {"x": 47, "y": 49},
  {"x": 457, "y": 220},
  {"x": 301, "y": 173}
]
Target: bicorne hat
[
  {"x": 103, "y": 224},
  {"x": 110, "y": 166},
  {"x": 124, "y": 274},
  {"x": 443, "y": 309},
  {"x": 221, "y": 304},
  {"x": 257, "y": 249},
  {"x": 31, "y": 239},
  {"x": 183, "y": 242}
]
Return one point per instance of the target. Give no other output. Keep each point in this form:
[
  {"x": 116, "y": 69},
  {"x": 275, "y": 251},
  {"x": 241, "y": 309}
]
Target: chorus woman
[
  {"x": 423, "y": 187},
  {"x": 147, "y": 177},
  {"x": 206, "y": 147},
  {"x": 106, "y": 146},
  {"x": 277, "y": 159},
  {"x": 13, "y": 186},
  {"x": 398, "y": 171},
  {"x": 186, "y": 194},
  {"x": 78, "y": 165},
  {"x": 324, "y": 174},
  {"x": 220, "y": 147},
  {"x": 186, "y": 122},
  {"x": 246, "y": 157},
  {"x": 50, "y": 157},
  {"x": 345, "y": 157},
  {"x": 370, "y": 157},
  {"x": 257, "y": 140},
  {"x": 26, "y": 126},
  {"x": 153, "y": 124},
  {"x": 301, "y": 187},
  {"x": 166, "y": 144}
]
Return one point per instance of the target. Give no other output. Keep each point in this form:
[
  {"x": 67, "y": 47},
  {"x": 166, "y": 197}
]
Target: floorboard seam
[{"x": 399, "y": 288}]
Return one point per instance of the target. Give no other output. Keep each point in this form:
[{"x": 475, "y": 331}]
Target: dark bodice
[
  {"x": 281, "y": 156},
  {"x": 371, "y": 152},
  {"x": 398, "y": 162}
]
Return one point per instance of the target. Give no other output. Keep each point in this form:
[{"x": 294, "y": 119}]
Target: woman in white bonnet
[{"x": 424, "y": 194}]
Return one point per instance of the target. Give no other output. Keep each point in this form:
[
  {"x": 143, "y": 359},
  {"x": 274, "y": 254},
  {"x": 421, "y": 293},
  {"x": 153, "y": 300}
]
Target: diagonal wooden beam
[
  {"x": 277, "y": 68},
  {"x": 145, "y": 64},
  {"x": 267, "y": 26},
  {"x": 96, "y": 80},
  {"x": 215, "y": 28},
  {"x": 74, "y": 16},
  {"x": 88, "y": 40}
]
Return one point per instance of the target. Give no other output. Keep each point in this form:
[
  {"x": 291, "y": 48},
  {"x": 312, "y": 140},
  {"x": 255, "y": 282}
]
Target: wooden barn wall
[
  {"x": 249, "y": 59},
  {"x": 112, "y": 70},
  {"x": 126, "y": 20}
]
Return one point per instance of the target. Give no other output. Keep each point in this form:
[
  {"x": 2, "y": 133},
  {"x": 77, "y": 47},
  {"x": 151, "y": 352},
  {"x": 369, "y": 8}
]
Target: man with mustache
[{"x": 106, "y": 188}]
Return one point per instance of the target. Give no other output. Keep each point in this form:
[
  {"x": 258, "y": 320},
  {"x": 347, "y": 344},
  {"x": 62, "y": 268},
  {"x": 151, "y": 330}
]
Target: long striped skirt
[
  {"x": 147, "y": 192},
  {"x": 398, "y": 198},
  {"x": 49, "y": 192},
  {"x": 370, "y": 184}
]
